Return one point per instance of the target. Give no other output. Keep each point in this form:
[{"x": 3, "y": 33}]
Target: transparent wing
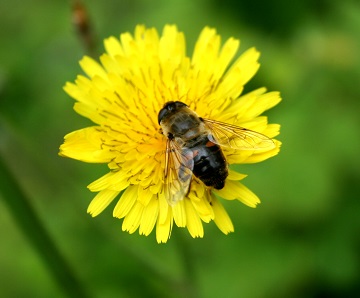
[
  {"x": 178, "y": 171},
  {"x": 237, "y": 137}
]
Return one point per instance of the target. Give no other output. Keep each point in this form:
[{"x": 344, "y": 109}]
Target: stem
[
  {"x": 30, "y": 224},
  {"x": 187, "y": 286}
]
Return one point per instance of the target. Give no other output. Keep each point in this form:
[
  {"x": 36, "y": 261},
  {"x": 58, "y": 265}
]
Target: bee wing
[
  {"x": 237, "y": 137},
  {"x": 179, "y": 164}
]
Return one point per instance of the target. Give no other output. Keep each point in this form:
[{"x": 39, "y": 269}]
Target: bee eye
[
  {"x": 162, "y": 114},
  {"x": 170, "y": 107}
]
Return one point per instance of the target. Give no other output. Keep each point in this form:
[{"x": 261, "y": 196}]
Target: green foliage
[{"x": 302, "y": 241}]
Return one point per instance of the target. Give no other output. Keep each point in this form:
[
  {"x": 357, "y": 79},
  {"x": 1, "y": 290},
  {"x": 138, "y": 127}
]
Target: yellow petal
[
  {"x": 92, "y": 68},
  {"x": 150, "y": 40},
  {"x": 88, "y": 111},
  {"x": 110, "y": 64},
  {"x": 132, "y": 219},
  {"x": 163, "y": 230},
  {"x": 116, "y": 181},
  {"x": 149, "y": 217},
  {"x": 172, "y": 44},
  {"x": 164, "y": 209},
  {"x": 234, "y": 190},
  {"x": 101, "y": 201},
  {"x": 179, "y": 213},
  {"x": 238, "y": 156},
  {"x": 129, "y": 45},
  {"x": 261, "y": 156},
  {"x": 78, "y": 92},
  {"x": 144, "y": 196},
  {"x": 193, "y": 222},
  {"x": 202, "y": 207},
  {"x": 113, "y": 46},
  {"x": 222, "y": 219},
  {"x": 227, "y": 53},
  {"x": 126, "y": 202},
  {"x": 263, "y": 103},
  {"x": 86, "y": 145},
  {"x": 239, "y": 74},
  {"x": 206, "y": 36},
  {"x": 271, "y": 130},
  {"x": 247, "y": 64},
  {"x": 233, "y": 175},
  {"x": 239, "y": 106}
]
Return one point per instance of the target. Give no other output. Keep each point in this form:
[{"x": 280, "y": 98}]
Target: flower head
[{"x": 123, "y": 96}]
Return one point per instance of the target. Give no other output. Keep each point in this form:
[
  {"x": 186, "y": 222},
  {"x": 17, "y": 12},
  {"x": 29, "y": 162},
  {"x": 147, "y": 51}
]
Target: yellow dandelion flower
[{"x": 127, "y": 96}]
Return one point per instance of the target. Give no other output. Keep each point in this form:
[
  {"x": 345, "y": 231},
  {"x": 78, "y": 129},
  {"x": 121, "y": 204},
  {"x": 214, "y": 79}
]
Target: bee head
[{"x": 169, "y": 108}]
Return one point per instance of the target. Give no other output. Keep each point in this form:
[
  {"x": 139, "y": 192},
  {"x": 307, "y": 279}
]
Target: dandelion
[{"x": 123, "y": 95}]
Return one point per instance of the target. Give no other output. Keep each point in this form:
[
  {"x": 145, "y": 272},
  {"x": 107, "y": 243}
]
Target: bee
[{"x": 193, "y": 147}]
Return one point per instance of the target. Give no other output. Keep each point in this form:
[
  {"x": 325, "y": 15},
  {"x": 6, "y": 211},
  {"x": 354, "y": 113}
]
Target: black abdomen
[{"x": 209, "y": 163}]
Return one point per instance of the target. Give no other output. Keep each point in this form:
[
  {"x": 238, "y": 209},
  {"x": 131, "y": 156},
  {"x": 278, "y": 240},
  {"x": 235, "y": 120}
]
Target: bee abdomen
[
  {"x": 214, "y": 177},
  {"x": 209, "y": 164}
]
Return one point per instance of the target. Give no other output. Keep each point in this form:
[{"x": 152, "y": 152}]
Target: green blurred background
[{"x": 302, "y": 241}]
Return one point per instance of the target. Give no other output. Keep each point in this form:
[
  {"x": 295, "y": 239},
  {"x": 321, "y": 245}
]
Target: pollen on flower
[{"x": 122, "y": 95}]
